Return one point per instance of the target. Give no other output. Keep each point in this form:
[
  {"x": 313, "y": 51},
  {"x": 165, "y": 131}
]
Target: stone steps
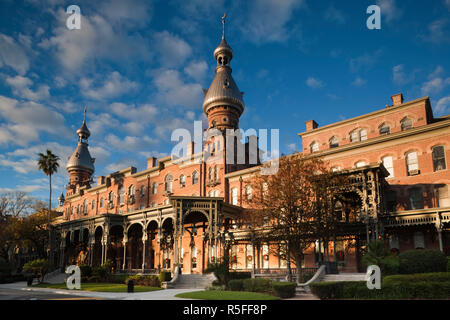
[
  {"x": 344, "y": 277},
  {"x": 194, "y": 281}
]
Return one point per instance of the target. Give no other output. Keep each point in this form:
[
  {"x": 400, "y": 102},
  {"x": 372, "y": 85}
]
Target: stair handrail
[{"x": 315, "y": 277}]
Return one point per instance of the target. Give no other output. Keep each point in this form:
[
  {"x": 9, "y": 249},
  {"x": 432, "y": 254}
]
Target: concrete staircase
[
  {"x": 55, "y": 277},
  {"x": 344, "y": 277},
  {"x": 193, "y": 281}
]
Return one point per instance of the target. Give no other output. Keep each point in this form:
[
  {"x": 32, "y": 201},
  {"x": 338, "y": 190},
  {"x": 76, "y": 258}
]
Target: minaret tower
[
  {"x": 81, "y": 165},
  {"x": 223, "y": 103}
]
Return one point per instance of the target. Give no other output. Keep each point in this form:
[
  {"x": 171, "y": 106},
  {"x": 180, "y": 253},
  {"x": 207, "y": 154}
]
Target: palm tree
[{"x": 48, "y": 163}]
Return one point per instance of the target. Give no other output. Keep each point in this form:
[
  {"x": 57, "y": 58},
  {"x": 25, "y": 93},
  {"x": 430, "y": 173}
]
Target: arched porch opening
[
  {"x": 115, "y": 248},
  {"x": 134, "y": 247},
  {"x": 167, "y": 242},
  {"x": 150, "y": 252},
  {"x": 97, "y": 254},
  {"x": 194, "y": 256}
]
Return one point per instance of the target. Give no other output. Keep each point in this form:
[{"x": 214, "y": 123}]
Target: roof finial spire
[
  {"x": 223, "y": 25},
  {"x": 85, "y": 110}
]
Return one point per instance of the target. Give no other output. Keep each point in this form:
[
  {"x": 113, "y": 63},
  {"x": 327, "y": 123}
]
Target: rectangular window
[
  {"x": 442, "y": 196},
  {"x": 415, "y": 198},
  {"x": 412, "y": 163},
  {"x": 439, "y": 158},
  {"x": 388, "y": 164}
]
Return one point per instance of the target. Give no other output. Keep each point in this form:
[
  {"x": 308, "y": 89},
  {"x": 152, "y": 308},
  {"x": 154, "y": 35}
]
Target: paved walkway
[{"x": 166, "y": 294}]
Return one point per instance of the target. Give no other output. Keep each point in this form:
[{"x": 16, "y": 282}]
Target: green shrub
[
  {"x": 408, "y": 278},
  {"x": 119, "y": 278},
  {"x": 220, "y": 270},
  {"x": 379, "y": 255},
  {"x": 236, "y": 285},
  {"x": 257, "y": 285},
  {"x": 141, "y": 280},
  {"x": 165, "y": 276},
  {"x": 5, "y": 267},
  {"x": 422, "y": 261},
  {"x": 284, "y": 289},
  {"x": 86, "y": 271},
  {"x": 234, "y": 275},
  {"x": 328, "y": 290},
  {"x": 420, "y": 286},
  {"x": 37, "y": 267}
]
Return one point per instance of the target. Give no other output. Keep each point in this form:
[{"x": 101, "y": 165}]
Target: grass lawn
[
  {"x": 99, "y": 287},
  {"x": 226, "y": 295}
]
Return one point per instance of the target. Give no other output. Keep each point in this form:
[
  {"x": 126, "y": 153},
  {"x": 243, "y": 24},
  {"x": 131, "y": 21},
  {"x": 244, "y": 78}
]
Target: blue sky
[{"x": 139, "y": 66}]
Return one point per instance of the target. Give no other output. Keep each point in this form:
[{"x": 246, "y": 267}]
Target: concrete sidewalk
[{"x": 165, "y": 294}]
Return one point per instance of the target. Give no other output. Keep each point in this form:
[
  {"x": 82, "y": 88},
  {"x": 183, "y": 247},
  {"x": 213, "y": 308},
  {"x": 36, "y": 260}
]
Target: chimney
[
  {"x": 190, "y": 148},
  {"x": 397, "y": 99},
  {"x": 100, "y": 180},
  {"x": 151, "y": 162},
  {"x": 311, "y": 125}
]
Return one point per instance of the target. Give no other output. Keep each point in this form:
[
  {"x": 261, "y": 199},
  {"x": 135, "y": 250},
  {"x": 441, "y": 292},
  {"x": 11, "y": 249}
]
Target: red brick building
[{"x": 181, "y": 213}]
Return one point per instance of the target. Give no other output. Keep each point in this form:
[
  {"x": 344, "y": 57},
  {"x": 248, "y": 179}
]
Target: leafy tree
[
  {"x": 379, "y": 255},
  {"x": 37, "y": 267},
  {"x": 48, "y": 163},
  {"x": 295, "y": 206},
  {"x": 221, "y": 270}
]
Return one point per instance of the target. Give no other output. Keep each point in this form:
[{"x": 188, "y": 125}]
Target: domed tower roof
[
  {"x": 223, "y": 90},
  {"x": 81, "y": 158}
]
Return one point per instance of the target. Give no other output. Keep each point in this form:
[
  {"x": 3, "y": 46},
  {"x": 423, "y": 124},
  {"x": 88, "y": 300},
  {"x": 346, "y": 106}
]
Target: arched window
[
  {"x": 234, "y": 196},
  {"x": 121, "y": 195},
  {"x": 419, "y": 240},
  {"x": 142, "y": 191},
  {"x": 385, "y": 129},
  {"x": 79, "y": 209},
  {"x": 389, "y": 165},
  {"x": 131, "y": 193},
  {"x": 217, "y": 193},
  {"x": 168, "y": 183},
  {"x": 442, "y": 195},
  {"x": 334, "y": 142},
  {"x": 195, "y": 177},
  {"x": 336, "y": 169},
  {"x": 314, "y": 147},
  {"x": 216, "y": 173},
  {"x": 182, "y": 181},
  {"x": 211, "y": 193},
  {"x": 248, "y": 193},
  {"x": 439, "y": 158},
  {"x": 210, "y": 173},
  {"x": 101, "y": 202},
  {"x": 111, "y": 200},
  {"x": 154, "y": 188},
  {"x": 412, "y": 164},
  {"x": 153, "y": 204},
  {"x": 265, "y": 190},
  {"x": 338, "y": 209},
  {"x": 406, "y": 123},
  {"x": 360, "y": 164},
  {"x": 166, "y": 201},
  {"x": 93, "y": 204},
  {"x": 358, "y": 135},
  {"x": 85, "y": 207}
]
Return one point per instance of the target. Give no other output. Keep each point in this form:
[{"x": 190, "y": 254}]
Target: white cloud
[
  {"x": 120, "y": 165},
  {"x": 196, "y": 70},
  {"x": 98, "y": 124},
  {"x": 173, "y": 50},
  {"x": 434, "y": 86},
  {"x": 389, "y": 10},
  {"x": 292, "y": 147},
  {"x": 13, "y": 55},
  {"x": 438, "y": 31},
  {"x": 130, "y": 143},
  {"x": 443, "y": 105},
  {"x": 364, "y": 62},
  {"x": 267, "y": 20},
  {"x": 174, "y": 92},
  {"x": 27, "y": 119},
  {"x": 20, "y": 87},
  {"x": 334, "y": 15},
  {"x": 140, "y": 114},
  {"x": 399, "y": 76},
  {"x": 98, "y": 38},
  {"x": 359, "y": 82},
  {"x": 115, "y": 85},
  {"x": 314, "y": 83}
]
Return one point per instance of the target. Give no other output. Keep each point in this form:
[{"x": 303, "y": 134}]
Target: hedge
[
  {"x": 234, "y": 275},
  {"x": 165, "y": 276},
  {"x": 422, "y": 286},
  {"x": 236, "y": 285},
  {"x": 141, "y": 280},
  {"x": 284, "y": 289},
  {"x": 257, "y": 285},
  {"x": 422, "y": 261}
]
